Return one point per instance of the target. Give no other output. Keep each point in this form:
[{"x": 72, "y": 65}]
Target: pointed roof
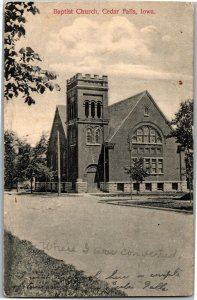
[
  {"x": 120, "y": 111},
  {"x": 62, "y": 113},
  {"x": 59, "y": 117}
]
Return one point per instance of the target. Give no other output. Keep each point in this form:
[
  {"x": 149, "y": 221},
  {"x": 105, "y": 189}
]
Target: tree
[
  {"x": 183, "y": 133},
  {"x": 10, "y": 156},
  {"x": 39, "y": 160},
  {"x": 24, "y": 162},
  {"x": 16, "y": 159},
  {"x": 136, "y": 171},
  {"x": 36, "y": 162},
  {"x": 22, "y": 74},
  {"x": 183, "y": 121}
]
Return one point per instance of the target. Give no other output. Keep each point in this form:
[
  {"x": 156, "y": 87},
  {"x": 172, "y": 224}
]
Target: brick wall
[{"x": 119, "y": 157}]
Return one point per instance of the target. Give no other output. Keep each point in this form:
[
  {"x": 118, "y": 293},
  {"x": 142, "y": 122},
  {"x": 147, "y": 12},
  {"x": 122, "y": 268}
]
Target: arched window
[
  {"x": 89, "y": 135},
  {"x": 97, "y": 135},
  {"x": 146, "y": 135},
  {"x": 99, "y": 110},
  {"x": 92, "y": 109},
  {"x": 87, "y": 109}
]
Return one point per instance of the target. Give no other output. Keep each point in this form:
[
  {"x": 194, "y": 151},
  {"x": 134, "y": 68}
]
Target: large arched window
[
  {"x": 146, "y": 135},
  {"x": 89, "y": 135}
]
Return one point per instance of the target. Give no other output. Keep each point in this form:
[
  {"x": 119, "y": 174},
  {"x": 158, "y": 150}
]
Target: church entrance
[{"x": 92, "y": 179}]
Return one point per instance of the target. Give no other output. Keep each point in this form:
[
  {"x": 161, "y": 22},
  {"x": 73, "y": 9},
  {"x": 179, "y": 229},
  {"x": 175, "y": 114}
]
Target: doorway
[{"x": 92, "y": 181}]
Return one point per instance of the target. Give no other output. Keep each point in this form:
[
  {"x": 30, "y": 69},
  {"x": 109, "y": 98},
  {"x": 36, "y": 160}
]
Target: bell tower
[{"x": 87, "y": 125}]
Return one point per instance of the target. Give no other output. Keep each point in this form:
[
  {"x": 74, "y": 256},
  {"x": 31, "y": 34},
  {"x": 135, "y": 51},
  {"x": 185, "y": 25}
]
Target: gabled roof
[
  {"x": 62, "y": 113},
  {"x": 60, "y": 116},
  {"x": 120, "y": 111}
]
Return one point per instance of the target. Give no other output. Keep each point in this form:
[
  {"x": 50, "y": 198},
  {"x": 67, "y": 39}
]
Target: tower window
[
  {"x": 92, "y": 109},
  {"x": 93, "y": 135},
  {"x": 87, "y": 109},
  {"x": 99, "y": 110},
  {"x": 97, "y": 135},
  {"x": 89, "y": 135}
]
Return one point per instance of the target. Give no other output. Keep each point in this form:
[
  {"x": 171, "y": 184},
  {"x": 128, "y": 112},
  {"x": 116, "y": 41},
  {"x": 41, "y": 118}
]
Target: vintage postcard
[{"x": 98, "y": 142}]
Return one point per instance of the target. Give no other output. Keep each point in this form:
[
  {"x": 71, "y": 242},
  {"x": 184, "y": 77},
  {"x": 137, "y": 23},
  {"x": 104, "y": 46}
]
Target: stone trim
[
  {"x": 81, "y": 187},
  {"x": 112, "y": 186}
]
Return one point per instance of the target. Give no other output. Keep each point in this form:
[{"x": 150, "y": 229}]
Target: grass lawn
[
  {"x": 30, "y": 272},
  {"x": 181, "y": 205}
]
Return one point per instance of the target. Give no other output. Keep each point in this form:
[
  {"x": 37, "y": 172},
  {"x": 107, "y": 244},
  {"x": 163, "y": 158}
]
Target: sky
[{"x": 137, "y": 52}]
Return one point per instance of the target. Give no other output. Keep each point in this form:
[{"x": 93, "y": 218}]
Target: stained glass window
[{"x": 146, "y": 135}]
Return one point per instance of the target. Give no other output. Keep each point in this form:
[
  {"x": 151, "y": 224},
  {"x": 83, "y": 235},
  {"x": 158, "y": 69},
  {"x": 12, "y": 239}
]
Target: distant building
[{"x": 98, "y": 141}]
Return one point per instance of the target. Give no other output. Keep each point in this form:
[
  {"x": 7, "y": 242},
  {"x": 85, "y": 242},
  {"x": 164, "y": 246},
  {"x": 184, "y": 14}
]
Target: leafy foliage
[
  {"x": 10, "y": 153},
  {"x": 22, "y": 75},
  {"x": 189, "y": 167},
  {"x": 24, "y": 162},
  {"x": 183, "y": 133},
  {"x": 136, "y": 170},
  {"x": 183, "y": 122},
  {"x": 38, "y": 162}
]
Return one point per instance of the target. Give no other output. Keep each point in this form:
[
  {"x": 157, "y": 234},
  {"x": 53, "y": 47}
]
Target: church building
[{"x": 97, "y": 141}]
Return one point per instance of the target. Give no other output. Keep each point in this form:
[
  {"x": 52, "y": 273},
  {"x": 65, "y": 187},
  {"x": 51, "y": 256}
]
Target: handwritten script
[
  {"x": 129, "y": 252},
  {"x": 157, "y": 281}
]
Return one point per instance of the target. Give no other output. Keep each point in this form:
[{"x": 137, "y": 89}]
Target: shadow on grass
[{"x": 29, "y": 272}]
